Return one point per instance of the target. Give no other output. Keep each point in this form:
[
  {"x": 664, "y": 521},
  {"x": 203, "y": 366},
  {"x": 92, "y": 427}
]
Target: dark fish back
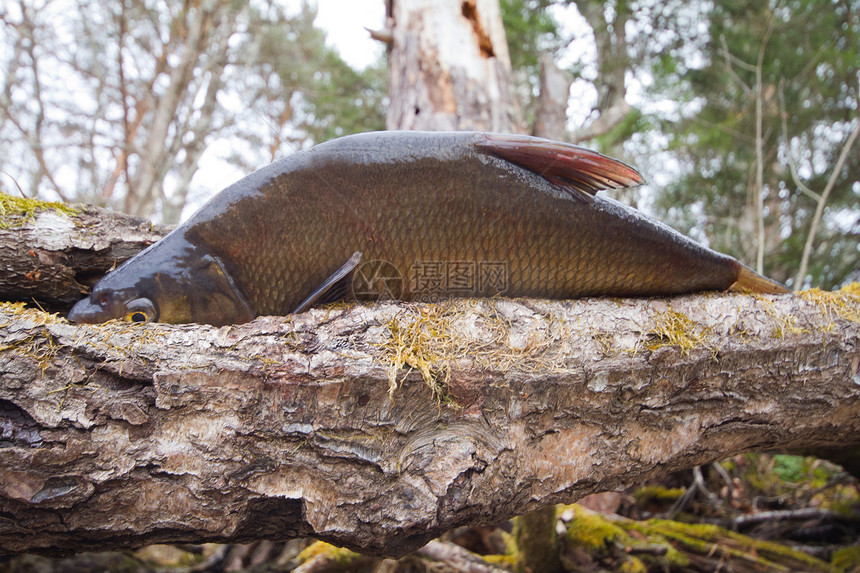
[{"x": 446, "y": 219}]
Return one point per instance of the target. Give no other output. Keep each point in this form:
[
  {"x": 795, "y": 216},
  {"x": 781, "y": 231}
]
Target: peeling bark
[
  {"x": 117, "y": 435},
  {"x": 450, "y": 68}
]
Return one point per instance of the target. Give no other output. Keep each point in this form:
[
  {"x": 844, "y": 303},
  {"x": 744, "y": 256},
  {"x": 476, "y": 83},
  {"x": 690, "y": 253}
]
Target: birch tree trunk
[
  {"x": 449, "y": 67},
  {"x": 381, "y": 427}
]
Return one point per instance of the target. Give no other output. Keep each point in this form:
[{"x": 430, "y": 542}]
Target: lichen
[
  {"x": 432, "y": 338},
  {"x": 425, "y": 344},
  {"x": 844, "y": 302},
  {"x": 34, "y": 342},
  {"x": 21, "y": 311},
  {"x": 672, "y": 328},
  {"x": 783, "y": 324},
  {"x": 17, "y": 211}
]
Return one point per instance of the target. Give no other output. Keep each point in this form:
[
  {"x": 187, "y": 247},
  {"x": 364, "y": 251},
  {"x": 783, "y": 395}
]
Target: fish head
[
  {"x": 106, "y": 303},
  {"x": 175, "y": 283}
]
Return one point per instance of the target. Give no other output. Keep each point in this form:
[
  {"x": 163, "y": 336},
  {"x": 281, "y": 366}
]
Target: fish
[{"x": 415, "y": 216}]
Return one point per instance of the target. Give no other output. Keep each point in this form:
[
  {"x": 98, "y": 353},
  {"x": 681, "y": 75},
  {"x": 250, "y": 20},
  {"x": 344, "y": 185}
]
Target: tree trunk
[
  {"x": 613, "y": 63},
  {"x": 551, "y": 113},
  {"x": 450, "y": 68},
  {"x": 381, "y": 427}
]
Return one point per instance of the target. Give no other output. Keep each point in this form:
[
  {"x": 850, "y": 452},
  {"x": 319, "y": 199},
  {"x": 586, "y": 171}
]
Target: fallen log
[
  {"x": 380, "y": 427},
  {"x": 51, "y": 253}
]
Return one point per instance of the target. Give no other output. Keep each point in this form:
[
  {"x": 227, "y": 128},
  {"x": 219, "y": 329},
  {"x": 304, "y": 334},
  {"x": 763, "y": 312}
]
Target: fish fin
[
  {"x": 334, "y": 288},
  {"x": 750, "y": 281},
  {"x": 565, "y": 165},
  {"x": 217, "y": 299}
]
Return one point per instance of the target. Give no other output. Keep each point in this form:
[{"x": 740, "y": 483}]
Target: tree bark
[
  {"x": 54, "y": 256},
  {"x": 551, "y": 114},
  {"x": 450, "y": 68},
  {"x": 380, "y": 427}
]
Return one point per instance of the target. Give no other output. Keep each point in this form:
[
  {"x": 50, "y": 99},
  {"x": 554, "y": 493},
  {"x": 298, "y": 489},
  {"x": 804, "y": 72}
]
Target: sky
[{"x": 345, "y": 21}]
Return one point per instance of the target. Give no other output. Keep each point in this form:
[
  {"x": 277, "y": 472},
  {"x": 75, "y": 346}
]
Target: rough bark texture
[
  {"x": 118, "y": 435},
  {"x": 52, "y": 257},
  {"x": 450, "y": 67}
]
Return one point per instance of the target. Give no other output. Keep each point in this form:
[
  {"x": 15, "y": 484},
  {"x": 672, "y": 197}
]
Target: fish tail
[{"x": 751, "y": 281}]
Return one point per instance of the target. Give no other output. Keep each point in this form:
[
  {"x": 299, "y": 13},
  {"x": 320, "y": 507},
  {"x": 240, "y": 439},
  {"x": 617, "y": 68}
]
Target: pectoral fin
[
  {"x": 571, "y": 168},
  {"x": 334, "y": 288},
  {"x": 216, "y": 299}
]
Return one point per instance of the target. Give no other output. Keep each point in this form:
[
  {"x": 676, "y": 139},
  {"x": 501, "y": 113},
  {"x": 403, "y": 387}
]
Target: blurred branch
[
  {"x": 822, "y": 201},
  {"x": 758, "y": 190},
  {"x": 53, "y": 257},
  {"x": 613, "y": 63},
  {"x": 551, "y": 113}
]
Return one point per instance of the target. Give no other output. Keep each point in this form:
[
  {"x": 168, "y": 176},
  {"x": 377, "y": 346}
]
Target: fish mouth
[{"x": 85, "y": 312}]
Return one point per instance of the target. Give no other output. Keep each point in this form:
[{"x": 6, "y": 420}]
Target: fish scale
[{"x": 449, "y": 214}]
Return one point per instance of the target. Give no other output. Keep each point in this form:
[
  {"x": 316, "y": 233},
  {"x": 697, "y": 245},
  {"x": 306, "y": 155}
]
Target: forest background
[{"x": 743, "y": 116}]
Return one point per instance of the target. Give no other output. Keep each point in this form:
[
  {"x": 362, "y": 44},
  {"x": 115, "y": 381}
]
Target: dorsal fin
[{"x": 566, "y": 165}]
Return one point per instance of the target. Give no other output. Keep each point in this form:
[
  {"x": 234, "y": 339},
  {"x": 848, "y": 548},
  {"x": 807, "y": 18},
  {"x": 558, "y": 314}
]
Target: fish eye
[{"x": 140, "y": 310}]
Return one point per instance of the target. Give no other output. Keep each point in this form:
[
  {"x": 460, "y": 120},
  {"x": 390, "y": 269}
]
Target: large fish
[{"x": 416, "y": 216}]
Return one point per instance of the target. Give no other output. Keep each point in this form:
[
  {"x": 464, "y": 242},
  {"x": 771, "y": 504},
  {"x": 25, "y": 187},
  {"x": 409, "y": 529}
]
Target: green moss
[
  {"x": 789, "y": 468},
  {"x": 802, "y": 470},
  {"x": 657, "y": 494},
  {"x": 847, "y": 558},
  {"x": 506, "y": 561},
  {"x": 694, "y": 537},
  {"x": 842, "y": 499},
  {"x": 595, "y": 532},
  {"x": 335, "y": 555},
  {"x": 633, "y": 565},
  {"x": 592, "y": 531},
  {"x": 17, "y": 211},
  {"x": 706, "y": 539},
  {"x": 790, "y": 475}
]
